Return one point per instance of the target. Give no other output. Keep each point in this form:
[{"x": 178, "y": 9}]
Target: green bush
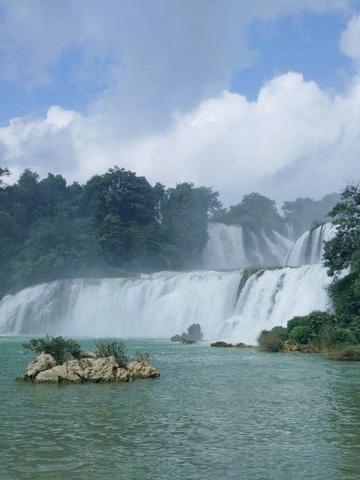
[
  {"x": 58, "y": 347},
  {"x": 350, "y": 353},
  {"x": 338, "y": 336},
  {"x": 302, "y": 334},
  {"x": 143, "y": 357},
  {"x": 316, "y": 321},
  {"x": 355, "y": 328},
  {"x": 273, "y": 341},
  {"x": 117, "y": 348}
]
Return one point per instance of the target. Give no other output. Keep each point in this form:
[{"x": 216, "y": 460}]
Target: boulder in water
[
  {"x": 43, "y": 362},
  {"x": 223, "y": 344},
  {"x": 176, "y": 338},
  {"x": 67, "y": 372},
  {"x": 193, "y": 335}
]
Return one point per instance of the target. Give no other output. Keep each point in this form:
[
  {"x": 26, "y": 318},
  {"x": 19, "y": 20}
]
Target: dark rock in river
[
  {"x": 222, "y": 344},
  {"x": 176, "y": 338},
  {"x": 193, "y": 335}
]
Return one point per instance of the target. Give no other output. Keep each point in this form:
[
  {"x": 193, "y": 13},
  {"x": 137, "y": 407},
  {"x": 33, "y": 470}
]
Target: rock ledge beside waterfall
[{"x": 89, "y": 368}]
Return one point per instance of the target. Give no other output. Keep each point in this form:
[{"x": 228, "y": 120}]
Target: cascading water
[
  {"x": 165, "y": 303},
  {"x": 230, "y": 246},
  {"x": 272, "y": 297},
  {"x": 225, "y": 247},
  {"x": 157, "y": 305},
  {"x": 309, "y": 248}
]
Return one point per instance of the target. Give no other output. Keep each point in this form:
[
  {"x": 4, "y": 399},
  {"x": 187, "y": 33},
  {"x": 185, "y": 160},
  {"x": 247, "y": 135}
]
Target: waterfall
[
  {"x": 309, "y": 248},
  {"x": 157, "y": 305},
  {"x": 228, "y": 305},
  {"x": 230, "y": 246},
  {"x": 225, "y": 247},
  {"x": 272, "y": 297}
]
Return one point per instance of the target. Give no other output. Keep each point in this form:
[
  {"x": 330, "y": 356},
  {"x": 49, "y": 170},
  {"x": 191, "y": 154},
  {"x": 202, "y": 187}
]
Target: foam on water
[{"x": 165, "y": 303}]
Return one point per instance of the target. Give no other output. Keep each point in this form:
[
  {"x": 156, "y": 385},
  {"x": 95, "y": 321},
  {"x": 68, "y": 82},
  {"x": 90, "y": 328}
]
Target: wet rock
[
  {"x": 88, "y": 355},
  {"x": 193, "y": 335},
  {"x": 142, "y": 370},
  {"x": 221, "y": 344},
  {"x": 61, "y": 373},
  {"x": 290, "y": 347},
  {"x": 43, "y": 362},
  {"x": 88, "y": 369},
  {"x": 99, "y": 369},
  {"x": 122, "y": 375},
  {"x": 176, "y": 338}
]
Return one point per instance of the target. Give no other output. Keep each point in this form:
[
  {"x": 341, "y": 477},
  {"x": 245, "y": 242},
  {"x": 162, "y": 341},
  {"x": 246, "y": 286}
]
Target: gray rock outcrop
[{"x": 87, "y": 369}]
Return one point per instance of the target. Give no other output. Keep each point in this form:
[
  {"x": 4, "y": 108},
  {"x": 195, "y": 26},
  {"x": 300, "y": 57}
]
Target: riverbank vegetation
[{"x": 337, "y": 333}]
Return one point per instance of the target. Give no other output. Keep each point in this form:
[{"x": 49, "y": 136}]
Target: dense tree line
[
  {"x": 115, "y": 222},
  {"x": 256, "y": 212},
  {"x": 342, "y": 258},
  {"x": 118, "y": 222}
]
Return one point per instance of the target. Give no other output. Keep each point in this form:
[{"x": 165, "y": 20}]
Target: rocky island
[
  {"x": 193, "y": 335},
  {"x": 62, "y": 361}
]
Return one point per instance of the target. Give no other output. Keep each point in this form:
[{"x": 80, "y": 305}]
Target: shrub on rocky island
[
  {"x": 108, "y": 364},
  {"x": 116, "y": 348},
  {"x": 59, "y": 347}
]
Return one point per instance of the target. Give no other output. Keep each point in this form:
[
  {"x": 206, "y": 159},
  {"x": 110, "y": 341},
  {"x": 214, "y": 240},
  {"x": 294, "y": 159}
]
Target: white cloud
[
  {"x": 147, "y": 58},
  {"x": 350, "y": 39},
  {"x": 295, "y": 139}
]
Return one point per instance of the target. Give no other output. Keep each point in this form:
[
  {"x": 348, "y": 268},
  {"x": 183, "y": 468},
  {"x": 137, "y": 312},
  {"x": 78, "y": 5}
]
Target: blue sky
[
  {"x": 169, "y": 88},
  {"x": 307, "y": 43}
]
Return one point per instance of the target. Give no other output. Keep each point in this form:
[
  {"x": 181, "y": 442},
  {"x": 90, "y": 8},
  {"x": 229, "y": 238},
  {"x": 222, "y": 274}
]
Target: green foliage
[
  {"x": 143, "y": 357},
  {"x": 255, "y": 212},
  {"x": 344, "y": 250},
  {"x": 316, "y": 321},
  {"x": 302, "y": 334},
  {"x": 349, "y": 353},
  {"x": 184, "y": 211},
  {"x": 318, "y": 330},
  {"x": 337, "y": 336},
  {"x": 116, "y": 222},
  {"x": 117, "y": 348},
  {"x": 273, "y": 340},
  {"x": 58, "y": 347},
  {"x": 304, "y": 213}
]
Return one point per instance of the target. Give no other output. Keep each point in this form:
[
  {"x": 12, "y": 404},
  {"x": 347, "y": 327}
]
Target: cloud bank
[
  {"x": 164, "y": 108},
  {"x": 295, "y": 139}
]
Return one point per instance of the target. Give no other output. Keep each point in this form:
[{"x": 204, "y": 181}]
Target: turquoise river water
[{"x": 213, "y": 414}]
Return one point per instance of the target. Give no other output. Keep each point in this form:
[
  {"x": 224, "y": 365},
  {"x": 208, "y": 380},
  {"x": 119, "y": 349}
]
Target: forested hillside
[{"x": 118, "y": 222}]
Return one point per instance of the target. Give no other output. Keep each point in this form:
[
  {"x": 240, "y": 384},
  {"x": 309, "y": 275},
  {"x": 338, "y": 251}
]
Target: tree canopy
[{"x": 116, "y": 221}]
